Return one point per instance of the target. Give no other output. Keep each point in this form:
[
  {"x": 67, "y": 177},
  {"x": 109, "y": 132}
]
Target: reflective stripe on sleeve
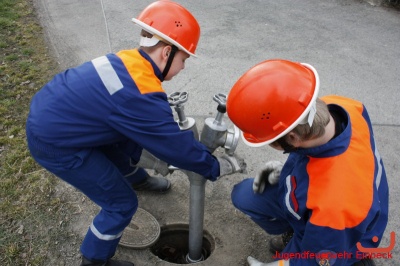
[
  {"x": 287, "y": 196},
  {"x": 107, "y": 74},
  {"x": 379, "y": 173}
]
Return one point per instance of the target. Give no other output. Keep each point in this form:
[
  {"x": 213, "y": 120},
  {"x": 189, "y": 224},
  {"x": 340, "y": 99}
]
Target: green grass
[{"x": 28, "y": 206}]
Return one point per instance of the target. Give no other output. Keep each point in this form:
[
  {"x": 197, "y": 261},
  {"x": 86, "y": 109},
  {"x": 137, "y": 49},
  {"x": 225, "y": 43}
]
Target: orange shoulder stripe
[
  {"x": 145, "y": 79},
  {"x": 341, "y": 188}
]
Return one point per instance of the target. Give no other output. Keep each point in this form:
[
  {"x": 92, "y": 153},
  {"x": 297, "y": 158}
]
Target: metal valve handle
[
  {"x": 220, "y": 98},
  {"x": 177, "y": 98}
]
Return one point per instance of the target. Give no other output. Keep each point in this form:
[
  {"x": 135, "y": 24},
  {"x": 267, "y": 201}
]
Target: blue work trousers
[
  {"x": 264, "y": 209},
  {"x": 99, "y": 173}
]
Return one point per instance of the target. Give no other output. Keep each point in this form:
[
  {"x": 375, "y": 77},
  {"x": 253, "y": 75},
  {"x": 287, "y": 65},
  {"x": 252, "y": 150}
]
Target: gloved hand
[
  {"x": 149, "y": 161},
  {"x": 269, "y": 173},
  {"x": 230, "y": 164},
  {"x": 254, "y": 262}
]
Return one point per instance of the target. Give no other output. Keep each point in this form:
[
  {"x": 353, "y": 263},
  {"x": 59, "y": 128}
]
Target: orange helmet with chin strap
[
  {"x": 172, "y": 23},
  {"x": 272, "y": 98}
]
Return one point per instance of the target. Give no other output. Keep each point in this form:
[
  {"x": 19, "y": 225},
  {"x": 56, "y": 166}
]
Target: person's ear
[
  {"x": 166, "y": 51},
  {"x": 293, "y": 139}
]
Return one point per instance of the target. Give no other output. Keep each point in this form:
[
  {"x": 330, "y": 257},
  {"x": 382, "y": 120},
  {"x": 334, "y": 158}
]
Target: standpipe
[{"x": 215, "y": 134}]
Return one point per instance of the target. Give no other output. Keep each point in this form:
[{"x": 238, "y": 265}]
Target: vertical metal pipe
[
  {"x": 196, "y": 217},
  {"x": 212, "y": 137}
]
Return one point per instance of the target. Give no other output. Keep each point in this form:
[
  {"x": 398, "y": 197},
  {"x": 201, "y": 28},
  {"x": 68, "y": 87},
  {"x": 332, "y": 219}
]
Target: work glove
[
  {"x": 254, "y": 262},
  {"x": 230, "y": 164},
  {"x": 268, "y": 174},
  {"x": 149, "y": 161}
]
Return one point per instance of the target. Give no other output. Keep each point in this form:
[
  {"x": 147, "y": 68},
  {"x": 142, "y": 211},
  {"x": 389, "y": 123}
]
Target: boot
[
  {"x": 109, "y": 262},
  {"x": 278, "y": 243},
  {"x": 153, "y": 183}
]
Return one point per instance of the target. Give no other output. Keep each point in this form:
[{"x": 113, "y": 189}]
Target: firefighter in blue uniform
[
  {"x": 90, "y": 124},
  {"x": 332, "y": 192}
]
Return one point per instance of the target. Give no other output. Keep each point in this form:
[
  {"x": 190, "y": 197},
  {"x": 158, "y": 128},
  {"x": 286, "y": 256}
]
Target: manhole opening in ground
[{"x": 173, "y": 244}]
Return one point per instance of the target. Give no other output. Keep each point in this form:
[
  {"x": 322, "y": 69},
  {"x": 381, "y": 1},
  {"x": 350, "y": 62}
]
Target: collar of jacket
[{"x": 157, "y": 71}]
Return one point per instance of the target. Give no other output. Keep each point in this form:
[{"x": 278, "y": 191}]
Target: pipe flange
[
  {"x": 189, "y": 260},
  {"x": 232, "y": 140}
]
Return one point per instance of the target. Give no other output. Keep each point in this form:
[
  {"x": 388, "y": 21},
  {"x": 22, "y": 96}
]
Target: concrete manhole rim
[{"x": 170, "y": 232}]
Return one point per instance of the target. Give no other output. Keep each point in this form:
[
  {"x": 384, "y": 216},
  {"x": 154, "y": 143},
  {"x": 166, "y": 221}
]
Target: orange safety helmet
[
  {"x": 172, "y": 23},
  {"x": 272, "y": 98}
]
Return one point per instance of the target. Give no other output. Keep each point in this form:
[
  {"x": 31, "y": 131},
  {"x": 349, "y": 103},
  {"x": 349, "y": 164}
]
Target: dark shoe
[
  {"x": 153, "y": 183},
  {"x": 365, "y": 262},
  {"x": 278, "y": 243},
  {"x": 110, "y": 262}
]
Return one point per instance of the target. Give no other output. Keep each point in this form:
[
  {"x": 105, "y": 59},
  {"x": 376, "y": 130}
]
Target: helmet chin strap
[{"x": 169, "y": 62}]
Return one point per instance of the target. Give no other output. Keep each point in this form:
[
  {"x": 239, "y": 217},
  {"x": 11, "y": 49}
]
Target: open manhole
[{"x": 173, "y": 244}]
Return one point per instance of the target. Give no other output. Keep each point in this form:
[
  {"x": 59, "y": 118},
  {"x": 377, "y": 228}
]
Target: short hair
[
  {"x": 304, "y": 131},
  {"x": 321, "y": 120}
]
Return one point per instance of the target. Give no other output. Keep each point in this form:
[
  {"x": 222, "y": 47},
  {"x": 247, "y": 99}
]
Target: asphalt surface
[{"x": 353, "y": 45}]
